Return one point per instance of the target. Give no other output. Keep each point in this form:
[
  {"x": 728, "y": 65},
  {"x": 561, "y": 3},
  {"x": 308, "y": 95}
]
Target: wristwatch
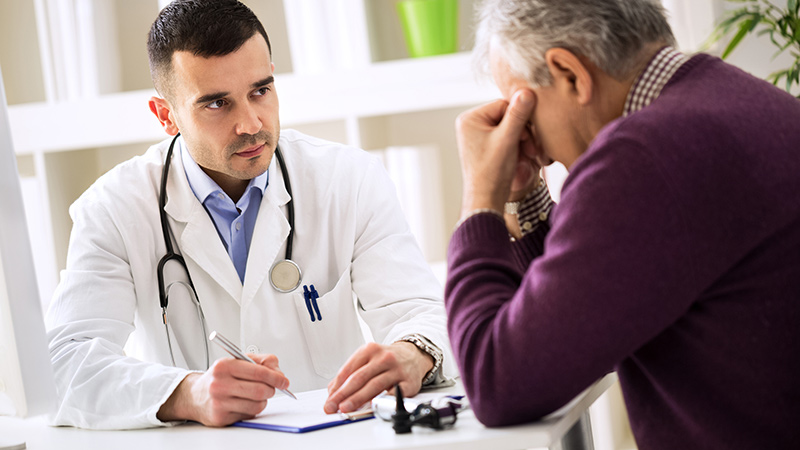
[{"x": 430, "y": 349}]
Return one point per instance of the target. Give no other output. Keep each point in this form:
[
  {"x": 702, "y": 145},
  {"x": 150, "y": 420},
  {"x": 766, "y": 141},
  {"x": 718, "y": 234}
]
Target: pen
[{"x": 231, "y": 348}]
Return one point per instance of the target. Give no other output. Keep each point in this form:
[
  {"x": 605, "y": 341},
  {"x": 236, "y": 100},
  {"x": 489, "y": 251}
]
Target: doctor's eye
[
  {"x": 216, "y": 104},
  {"x": 263, "y": 90}
]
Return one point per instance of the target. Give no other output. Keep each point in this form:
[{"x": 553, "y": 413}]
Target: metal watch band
[
  {"x": 429, "y": 348},
  {"x": 512, "y": 207}
]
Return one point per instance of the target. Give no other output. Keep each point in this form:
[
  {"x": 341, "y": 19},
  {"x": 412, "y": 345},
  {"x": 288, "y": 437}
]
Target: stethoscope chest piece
[{"x": 285, "y": 275}]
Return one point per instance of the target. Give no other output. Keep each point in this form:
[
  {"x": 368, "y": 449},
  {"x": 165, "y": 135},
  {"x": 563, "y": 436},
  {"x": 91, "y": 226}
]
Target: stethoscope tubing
[{"x": 172, "y": 256}]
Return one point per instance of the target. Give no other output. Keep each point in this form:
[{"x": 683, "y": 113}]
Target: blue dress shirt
[{"x": 234, "y": 221}]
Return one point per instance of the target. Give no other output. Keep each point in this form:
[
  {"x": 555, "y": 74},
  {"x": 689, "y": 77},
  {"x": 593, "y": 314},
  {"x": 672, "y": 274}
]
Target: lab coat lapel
[
  {"x": 270, "y": 233},
  {"x": 195, "y": 232}
]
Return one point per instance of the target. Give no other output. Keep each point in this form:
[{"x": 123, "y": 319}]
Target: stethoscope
[{"x": 284, "y": 276}]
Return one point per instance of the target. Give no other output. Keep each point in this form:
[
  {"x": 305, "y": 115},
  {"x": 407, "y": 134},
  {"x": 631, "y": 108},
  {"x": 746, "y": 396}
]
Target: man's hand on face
[
  {"x": 229, "y": 391},
  {"x": 498, "y": 154},
  {"x": 373, "y": 369}
]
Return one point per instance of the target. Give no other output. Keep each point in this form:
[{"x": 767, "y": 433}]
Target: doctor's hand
[
  {"x": 498, "y": 152},
  {"x": 229, "y": 391},
  {"x": 373, "y": 369}
]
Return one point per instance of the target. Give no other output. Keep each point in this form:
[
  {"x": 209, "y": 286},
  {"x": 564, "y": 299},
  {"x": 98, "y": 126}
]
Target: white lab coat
[{"x": 351, "y": 242}]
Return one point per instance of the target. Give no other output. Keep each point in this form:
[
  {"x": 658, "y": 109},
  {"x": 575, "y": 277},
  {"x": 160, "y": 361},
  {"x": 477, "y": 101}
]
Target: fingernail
[
  {"x": 346, "y": 406},
  {"x": 330, "y": 407}
]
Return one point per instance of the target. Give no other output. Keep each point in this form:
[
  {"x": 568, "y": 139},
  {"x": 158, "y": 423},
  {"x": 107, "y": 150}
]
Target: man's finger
[
  {"x": 488, "y": 115},
  {"x": 251, "y": 391},
  {"x": 230, "y": 410},
  {"x": 246, "y": 371},
  {"x": 358, "y": 379},
  {"x": 356, "y": 360},
  {"x": 518, "y": 113},
  {"x": 266, "y": 360},
  {"x": 370, "y": 390}
]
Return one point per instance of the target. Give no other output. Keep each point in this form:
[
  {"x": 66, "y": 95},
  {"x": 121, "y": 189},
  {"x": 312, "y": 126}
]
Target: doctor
[{"x": 231, "y": 211}]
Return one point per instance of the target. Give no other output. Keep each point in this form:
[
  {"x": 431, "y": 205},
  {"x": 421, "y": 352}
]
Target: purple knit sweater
[{"x": 673, "y": 258}]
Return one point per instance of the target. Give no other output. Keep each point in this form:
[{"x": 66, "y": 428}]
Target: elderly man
[{"x": 674, "y": 254}]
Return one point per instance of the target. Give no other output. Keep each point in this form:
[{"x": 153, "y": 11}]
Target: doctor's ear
[
  {"x": 570, "y": 75},
  {"x": 163, "y": 113}
]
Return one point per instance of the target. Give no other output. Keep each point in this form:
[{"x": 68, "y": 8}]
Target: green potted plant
[{"x": 765, "y": 17}]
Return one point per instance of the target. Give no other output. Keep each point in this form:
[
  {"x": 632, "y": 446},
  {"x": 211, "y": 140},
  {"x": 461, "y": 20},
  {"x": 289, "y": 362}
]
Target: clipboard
[{"x": 302, "y": 415}]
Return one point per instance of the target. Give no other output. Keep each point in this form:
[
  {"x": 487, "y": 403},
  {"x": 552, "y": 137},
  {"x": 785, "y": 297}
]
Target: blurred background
[{"x": 389, "y": 76}]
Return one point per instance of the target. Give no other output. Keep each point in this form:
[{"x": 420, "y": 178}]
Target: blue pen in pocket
[
  {"x": 307, "y": 296},
  {"x": 314, "y": 297}
]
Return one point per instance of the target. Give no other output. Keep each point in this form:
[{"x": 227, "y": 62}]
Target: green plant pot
[{"x": 430, "y": 26}]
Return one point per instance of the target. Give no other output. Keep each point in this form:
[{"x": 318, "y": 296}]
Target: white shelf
[{"x": 393, "y": 87}]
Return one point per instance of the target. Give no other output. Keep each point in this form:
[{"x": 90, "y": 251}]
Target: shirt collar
[
  {"x": 653, "y": 78},
  {"x": 202, "y": 185}
]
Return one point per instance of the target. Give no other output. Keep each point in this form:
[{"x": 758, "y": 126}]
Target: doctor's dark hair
[
  {"x": 612, "y": 34},
  {"x": 206, "y": 28}
]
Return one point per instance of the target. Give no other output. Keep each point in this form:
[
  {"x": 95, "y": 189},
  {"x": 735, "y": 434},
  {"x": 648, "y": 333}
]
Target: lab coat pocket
[{"x": 335, "y": 333}]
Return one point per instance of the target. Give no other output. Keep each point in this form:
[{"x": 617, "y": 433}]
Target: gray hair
[{"x": 610, "y": 33}]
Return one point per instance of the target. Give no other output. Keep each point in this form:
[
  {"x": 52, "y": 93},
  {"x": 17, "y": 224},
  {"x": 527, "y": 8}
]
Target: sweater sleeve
[{"x": 614, "y": 272}]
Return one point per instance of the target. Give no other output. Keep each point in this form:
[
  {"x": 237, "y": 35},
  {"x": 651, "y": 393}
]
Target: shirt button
[
  {"x": 221, "y": 196},
  {"x": 251, "y": 349},
  {"x": 527, "y": 226},
  {"x": 238, "y": 226},
  {"x": 543, "y": 216}
]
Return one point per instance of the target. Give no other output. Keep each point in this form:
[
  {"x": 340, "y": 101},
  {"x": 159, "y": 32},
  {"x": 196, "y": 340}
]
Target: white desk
[{"x": 567, "y": 429}]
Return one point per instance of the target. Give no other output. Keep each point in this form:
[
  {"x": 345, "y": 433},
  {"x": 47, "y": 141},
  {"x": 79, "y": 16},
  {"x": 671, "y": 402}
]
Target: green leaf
[
  {"x": 775, "y": 77},
  {"x": 732, "y": 18},
  {"x": 744, "y": 28},
  {"x": 756, "y": 19},
  {"x": 792, "y": 5},
  {"x": 775, "y": 55},
  {"x": 783, "y": 26}
]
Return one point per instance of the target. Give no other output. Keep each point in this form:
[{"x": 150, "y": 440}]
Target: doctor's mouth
[{"x": 251, "y": 152}]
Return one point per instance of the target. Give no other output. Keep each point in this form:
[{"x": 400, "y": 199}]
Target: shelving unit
[{"x": 78, "y": 83}]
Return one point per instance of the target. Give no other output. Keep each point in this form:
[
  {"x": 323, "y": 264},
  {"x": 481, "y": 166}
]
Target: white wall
[{"x": 693, "y": 21}]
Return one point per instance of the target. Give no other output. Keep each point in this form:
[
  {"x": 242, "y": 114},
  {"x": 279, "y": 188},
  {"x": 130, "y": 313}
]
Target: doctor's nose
[{"x": 247, "y": 121}]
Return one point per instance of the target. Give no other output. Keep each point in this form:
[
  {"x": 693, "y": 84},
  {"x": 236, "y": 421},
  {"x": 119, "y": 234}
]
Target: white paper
[{"x": 304, "y": 412}]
